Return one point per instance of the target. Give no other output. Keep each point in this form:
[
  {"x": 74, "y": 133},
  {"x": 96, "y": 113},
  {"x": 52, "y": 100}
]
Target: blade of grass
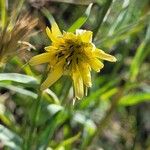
[
  {"x": 3, "y": 13},
  {"x": 52, "y": 124},
  {"x": 124, "y": 32},
  {"x": 19, "y": 90},
  {"x": 25, "y": 67},
  {"x": 133, "y": 99},
  {"x": 138, "y": 59},
  {"x": 10, "y": 139},
  {"x": 95, "y": 95},
  {"x": 48, "y": 15},
  {"x": 80, "y": 21},
  {"x": 68, "y": 141},
  {"x": 88, "y": 132},
  {"x": 101, "y": 15},
  {"x": 19, "y": 78},
  {"x": 77, "y": 2},
  {"x": 119, "y": 19}
]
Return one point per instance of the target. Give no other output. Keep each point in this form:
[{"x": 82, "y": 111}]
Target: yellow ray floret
[{"x": 72, "y": 54}]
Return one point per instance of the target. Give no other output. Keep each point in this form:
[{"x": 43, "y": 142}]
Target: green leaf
[
  {"x": 6, "y": 116},
  {"x": 108, "y": 94},
  {"x": 48, "y": 15},
  {"x": 4, "y": 119},
  {"x": 20, "y": 78},
  {"x": 77, "y": 2},
  {"x": 124, "y": 32},
  {"x": 3, "y": 13},
  {"x": 80, "y": 21},
  {"x": 139, "y": 57},
  {"x": 68, "y": 141},
  {"x": 94, "y": 96},
  {"x": 133, "y": 99},
  {"x": 10, "y": 139},
  {"x": 57, "y": 117},
  {"x": 25, "y": 67},
  {"x": 50, "y": 93},
  {"x": 53, "y": 109},
  {"x": 89, "y": 130},
  {"x": 19, "y": 90}
]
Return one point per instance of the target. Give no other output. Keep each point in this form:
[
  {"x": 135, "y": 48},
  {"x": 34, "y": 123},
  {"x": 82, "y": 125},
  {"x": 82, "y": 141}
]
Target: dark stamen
[
  {"x": 71, "y": 47},
  {"x": 77, "y": 59},
  {"x": 60, "y": 54}
]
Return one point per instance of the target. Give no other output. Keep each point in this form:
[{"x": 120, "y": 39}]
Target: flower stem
[{"x": 101, "y": 15}]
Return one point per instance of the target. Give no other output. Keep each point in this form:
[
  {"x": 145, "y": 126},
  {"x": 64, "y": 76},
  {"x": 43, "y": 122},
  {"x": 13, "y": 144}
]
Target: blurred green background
[{"x": 115, "y": 114}]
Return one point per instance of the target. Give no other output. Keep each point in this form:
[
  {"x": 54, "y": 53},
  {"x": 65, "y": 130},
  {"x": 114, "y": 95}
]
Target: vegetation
[{"x": 115, "y": 113}]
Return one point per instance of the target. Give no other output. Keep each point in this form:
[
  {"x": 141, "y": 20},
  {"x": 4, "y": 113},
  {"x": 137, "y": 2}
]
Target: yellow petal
[
  {"x": 54, "y": 33},
  {"x": 50, "y": 35},
  {"x": 86, "y": 75},
  {"x": 53, "y": 76},
  {"x": 102, "y": 55},
  {"x": 55, "y": 30},
  {"x": 86, "y": 36},
  {"x": 40, "y": 59},
  {"x": 69, "y": 36},
  {"x": 78, "y": 84},
  {"x": 50, "y": 48},
  {"x": 96, "y": 64}
]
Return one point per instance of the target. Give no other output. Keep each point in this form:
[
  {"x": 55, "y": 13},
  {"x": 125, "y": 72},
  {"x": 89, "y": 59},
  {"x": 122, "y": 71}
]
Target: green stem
[
  {"x": 101, "y": 15},
  {"x": 33, "y": 128},
  {"x": 67, "y": 89}
]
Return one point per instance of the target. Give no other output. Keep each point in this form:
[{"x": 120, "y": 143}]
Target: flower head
[{"x": 71, "y": 54}]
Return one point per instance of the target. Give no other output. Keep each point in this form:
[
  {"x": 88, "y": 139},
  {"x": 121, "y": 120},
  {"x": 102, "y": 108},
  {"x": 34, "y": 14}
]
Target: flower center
[{"x": 69, "y": 50}]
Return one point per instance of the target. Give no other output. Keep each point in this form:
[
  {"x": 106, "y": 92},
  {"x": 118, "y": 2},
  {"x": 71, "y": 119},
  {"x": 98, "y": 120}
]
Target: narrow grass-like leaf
[
  {"x": 80, "y": 21},
  {"x": 19, "y": 90},
  {"x": 68, "y": 141},
  {"x": 53, "y": 108},
  {"x": 140, "y": 55},
  {"x": 119, "y": 19},
  {"x": 106, "y": 95},
  {"x": 3, "y": 13},
  {"x": 94, "y": 96},
  {"x": 77, "y": 2},
  {"x": 89, "y": 130},
  {"x": 101, "y": 16},
  {"x": 52, "y": 95},
  {"x": 52, "y": 124},
  {"x": 10, "y": 139},
  {"x": 48, "y": 15},
  {"x": 4, "y": 119},
  {"x": 20, "y": 78},
  {"x": 25, "y": 67},
  {"x": 133, "y": 99},
  {"x": 124, "y": 32}
]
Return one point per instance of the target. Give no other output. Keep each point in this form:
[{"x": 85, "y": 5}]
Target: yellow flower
[{"x": 71, "y": 54}]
